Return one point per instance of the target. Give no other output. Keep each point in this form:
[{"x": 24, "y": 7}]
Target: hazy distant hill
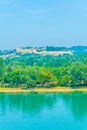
[
  {"x": 78, "y": 49},
  {"x": 52, "y": 48},
  {"x": 75, "y": 49}
]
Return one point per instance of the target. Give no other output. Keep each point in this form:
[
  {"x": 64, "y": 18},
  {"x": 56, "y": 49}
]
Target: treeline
[
  {"x": 47, "y": 61},
  {"x": 29, "y": 71}
]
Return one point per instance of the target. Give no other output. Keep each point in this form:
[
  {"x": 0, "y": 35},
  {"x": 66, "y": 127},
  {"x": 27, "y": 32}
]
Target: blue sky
[{"x": 42, "y": 22}]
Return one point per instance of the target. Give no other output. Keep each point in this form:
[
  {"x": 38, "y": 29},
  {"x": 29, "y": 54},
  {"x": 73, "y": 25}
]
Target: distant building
[{"x": 42, "y": 51}]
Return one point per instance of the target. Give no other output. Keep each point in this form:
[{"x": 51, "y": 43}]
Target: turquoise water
[{"x": 43, "y": 111}]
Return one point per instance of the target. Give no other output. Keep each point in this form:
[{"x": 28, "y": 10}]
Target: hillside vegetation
[{"x": 33, "y": 70}]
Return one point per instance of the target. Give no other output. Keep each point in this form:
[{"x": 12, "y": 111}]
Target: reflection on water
[
  {"x": 43, "y": 111},
  {"x": 34, "y": 103},
  {"x": 26, "y": 103},
  {"x": 77, "y": 103}
]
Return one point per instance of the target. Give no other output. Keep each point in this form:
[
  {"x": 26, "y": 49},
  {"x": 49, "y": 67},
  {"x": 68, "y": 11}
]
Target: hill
[{"x": 48, "y": 50}]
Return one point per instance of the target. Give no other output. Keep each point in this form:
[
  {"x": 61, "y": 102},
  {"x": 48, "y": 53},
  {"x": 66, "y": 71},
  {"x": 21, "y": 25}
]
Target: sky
[{"x": 42, "y": 23}]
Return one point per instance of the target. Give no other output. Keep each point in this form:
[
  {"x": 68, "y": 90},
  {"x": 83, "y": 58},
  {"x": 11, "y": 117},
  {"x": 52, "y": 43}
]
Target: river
[{"x": 43, "y": 111}]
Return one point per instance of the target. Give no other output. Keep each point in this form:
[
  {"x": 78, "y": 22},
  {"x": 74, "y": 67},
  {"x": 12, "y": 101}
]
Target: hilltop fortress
[{"x": 43, "y": 51}]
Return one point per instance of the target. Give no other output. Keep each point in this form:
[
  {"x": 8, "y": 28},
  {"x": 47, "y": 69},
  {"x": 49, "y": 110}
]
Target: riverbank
[{"x": 42, "y": 90}]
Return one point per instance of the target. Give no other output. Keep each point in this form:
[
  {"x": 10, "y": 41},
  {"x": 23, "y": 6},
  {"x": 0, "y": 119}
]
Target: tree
[
  {"x": 1, "y": 70},
  {"x": 78, "y": 74}
]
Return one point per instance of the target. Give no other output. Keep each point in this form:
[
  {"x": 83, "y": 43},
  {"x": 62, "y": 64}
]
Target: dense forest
[{"x": 32, "y": 70}]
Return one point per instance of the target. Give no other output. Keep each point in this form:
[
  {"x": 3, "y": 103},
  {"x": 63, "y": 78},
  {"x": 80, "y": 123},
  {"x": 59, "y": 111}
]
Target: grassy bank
[{"x": 43, "y": 90}]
